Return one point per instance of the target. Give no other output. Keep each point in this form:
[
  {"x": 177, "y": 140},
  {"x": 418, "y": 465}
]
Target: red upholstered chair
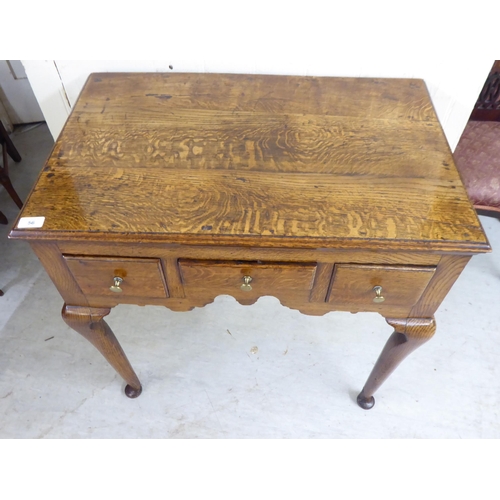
[{"x": 477, "y": 154}]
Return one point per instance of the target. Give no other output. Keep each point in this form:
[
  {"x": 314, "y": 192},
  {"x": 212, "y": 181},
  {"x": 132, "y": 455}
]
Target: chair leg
[
  {"x": 3, "y": 219},
  {"x": 11, "y": 149},
  {"x": 5, "y": 179}
]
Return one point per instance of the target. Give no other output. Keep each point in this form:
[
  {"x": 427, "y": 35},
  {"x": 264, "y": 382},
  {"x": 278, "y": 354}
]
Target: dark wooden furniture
[
  {"x": 487, "y": 107},
  {"x": 327, "y": 193},
  {"x": 8, "y": 149}
]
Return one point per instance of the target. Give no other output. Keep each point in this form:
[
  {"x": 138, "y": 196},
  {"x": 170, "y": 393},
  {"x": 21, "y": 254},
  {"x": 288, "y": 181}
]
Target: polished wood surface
[
  {"x": 409, "y": 334},
  {"x": 352, "y": 287},
  {"x": 318, "y": 189},
  {"x": 89, "y": 323},
  {"x": 207, "y": 279},
  {"x": 141, "y": 277},
  {"x": 291, "y": 161}
]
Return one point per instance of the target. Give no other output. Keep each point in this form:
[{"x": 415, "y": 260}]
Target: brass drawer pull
[
  {"x": 246, "y": 287},
  {"x": 378, "y": 294},
  {"x": 116, "y": 286}
]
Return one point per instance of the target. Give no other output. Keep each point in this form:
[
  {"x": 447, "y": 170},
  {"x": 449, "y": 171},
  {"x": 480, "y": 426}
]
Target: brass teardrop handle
[
  {"x": 116, "y": 285},
  {"x": 378, "y": 295},
  {"x": 246, "y": 287}
]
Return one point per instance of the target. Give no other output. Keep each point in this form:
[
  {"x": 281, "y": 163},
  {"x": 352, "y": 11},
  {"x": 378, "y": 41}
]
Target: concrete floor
[{"x": 229, "y": 371}]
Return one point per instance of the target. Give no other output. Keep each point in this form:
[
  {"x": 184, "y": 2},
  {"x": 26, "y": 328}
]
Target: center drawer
[{"x": 247, "y": 281}]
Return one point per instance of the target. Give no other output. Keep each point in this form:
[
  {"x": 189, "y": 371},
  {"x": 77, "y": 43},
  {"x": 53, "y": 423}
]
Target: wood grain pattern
[
  {"x": 317, "y": 188},
  {"x": 257, "y": 142},
  {"x": 374, "y": 212},
  {"x": 447, "y": 272},
  {"x": 322, "y": 280},
  {"x": 287, "y": 161},
  {"x": 141, "y": 277},
  {"x": 229, "y": 252},
  {"x": 415, "y": 328},
  {"x": 57, "y": 269},
  {"x": 352, "y": 287},
  {"x": 173, "y": 276},
  {"x": 205, "y": 280},
  {"x": 404, "y": 99}
]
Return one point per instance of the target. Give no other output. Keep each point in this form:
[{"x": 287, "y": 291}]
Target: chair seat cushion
[{"x": 477, "y": 157}]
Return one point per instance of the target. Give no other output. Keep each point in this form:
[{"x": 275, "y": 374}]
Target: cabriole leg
[
  {"x": 88, "y": 322},
  {"x": 409, "y": 334}
]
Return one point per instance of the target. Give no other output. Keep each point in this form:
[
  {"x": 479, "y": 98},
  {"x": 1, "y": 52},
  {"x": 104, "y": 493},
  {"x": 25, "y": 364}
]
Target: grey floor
[{"x": 229, "y": 371}]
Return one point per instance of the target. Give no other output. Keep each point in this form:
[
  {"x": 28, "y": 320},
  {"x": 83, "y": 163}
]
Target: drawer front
[
  {"x": 352, "y": 287},
  {"x": 141, "y": 278},
  {"x": 205, "y": 278}
]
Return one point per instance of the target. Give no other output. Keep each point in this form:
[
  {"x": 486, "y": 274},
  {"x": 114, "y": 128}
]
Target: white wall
[
  {"x": 426, "y": 39},
  {"x": 17, "y": 95}
]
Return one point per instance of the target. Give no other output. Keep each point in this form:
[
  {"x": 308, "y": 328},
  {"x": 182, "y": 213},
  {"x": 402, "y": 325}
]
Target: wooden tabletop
[{"x": 254, "y": 160}]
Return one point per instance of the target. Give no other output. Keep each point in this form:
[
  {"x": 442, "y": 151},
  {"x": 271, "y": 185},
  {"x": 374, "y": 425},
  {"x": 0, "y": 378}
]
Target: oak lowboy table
[{"x": 331, "y": 194}]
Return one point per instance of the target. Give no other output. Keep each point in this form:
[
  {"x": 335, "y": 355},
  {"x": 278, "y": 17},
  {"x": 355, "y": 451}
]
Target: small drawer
[
  {"x": 141, "y": 278},
  {"x": 246, "y": 281},
  {"x": 352, "y": 287}
]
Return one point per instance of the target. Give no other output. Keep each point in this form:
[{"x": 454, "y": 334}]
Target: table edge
[{"x": 462, "y": 247}]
